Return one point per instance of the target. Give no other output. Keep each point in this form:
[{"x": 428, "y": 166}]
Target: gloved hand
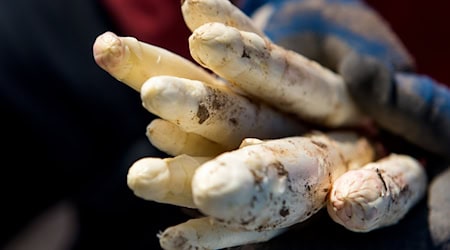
[
  {"x": 327, "y": 31},
  {"x": 409, "y": 105},
  {"x": 353, "y": 40},
  {"x": 259, "y": 187}
]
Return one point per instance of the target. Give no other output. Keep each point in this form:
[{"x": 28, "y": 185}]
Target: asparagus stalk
[
  {"x": 198, "y": 12},
  {"x": 203, "y": 233},
  {"x": 172, "y": 140},
  {"x": 165, "y": 180},
  {"x": 283, "y": 78},
  {"x": 275, "y": 183},
  {"x": 220, "y": 116},
  {"x": 132, "y": 62}
]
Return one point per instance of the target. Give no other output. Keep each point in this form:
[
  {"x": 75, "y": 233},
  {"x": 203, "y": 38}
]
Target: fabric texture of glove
[
  {"x": 409, "y": 105},
  {"x": 350, "y": 38},
  {"x": 327, "y": 31}
]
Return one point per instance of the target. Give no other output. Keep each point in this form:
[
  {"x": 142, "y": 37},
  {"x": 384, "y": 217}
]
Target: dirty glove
[
  {"x": 409, "y": 105},
  {"x": 327, "y": 31},
  {"x": 351, "y": 39}
]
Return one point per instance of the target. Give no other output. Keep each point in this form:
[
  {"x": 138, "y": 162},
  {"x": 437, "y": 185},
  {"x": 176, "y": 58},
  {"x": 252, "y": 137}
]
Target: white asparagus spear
[
  {"x": 377, "y": 195},
  {"x": 172, "y": 140},
  {"x": 355, "y": 150},
  {"x": 203, "y": 233},
  {"x": 274, "y": 183},
  {"x": 198, "y": 12},
  {"x": 283, "y": 78},
  {"x": 132, "y": 62},
  {"x": 222, "y": 117},
  {"x": 165, "y": 180}
]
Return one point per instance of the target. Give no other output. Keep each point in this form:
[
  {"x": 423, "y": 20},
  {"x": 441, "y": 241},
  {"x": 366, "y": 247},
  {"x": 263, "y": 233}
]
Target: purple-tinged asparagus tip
[{"x": 108, "y": 50}]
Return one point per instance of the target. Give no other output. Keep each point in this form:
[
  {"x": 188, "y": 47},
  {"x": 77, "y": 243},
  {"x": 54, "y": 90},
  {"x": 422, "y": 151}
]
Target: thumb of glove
[
  {"x": 411, "y": 106},
  {"x": 365, "y": 77}
]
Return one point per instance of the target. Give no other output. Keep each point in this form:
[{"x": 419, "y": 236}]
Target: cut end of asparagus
[{"x": 355, "y": 200}]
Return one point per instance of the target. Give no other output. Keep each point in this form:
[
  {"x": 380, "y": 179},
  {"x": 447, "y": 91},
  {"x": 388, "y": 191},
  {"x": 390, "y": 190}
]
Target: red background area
[
  {"x": 423, "y": 28},
  {"x": 421, "y": 25},
  {"x": 158, "y": 22}
]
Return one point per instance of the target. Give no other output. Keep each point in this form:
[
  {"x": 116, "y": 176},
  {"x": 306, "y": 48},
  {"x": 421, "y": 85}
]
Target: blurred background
[{"x": 421, "y": 27}]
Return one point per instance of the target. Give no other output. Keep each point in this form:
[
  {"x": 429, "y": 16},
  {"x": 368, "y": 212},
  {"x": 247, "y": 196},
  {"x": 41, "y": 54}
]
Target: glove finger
[
  {"x": 326, "y": 31},
  {"x": 409, "y": 105}
]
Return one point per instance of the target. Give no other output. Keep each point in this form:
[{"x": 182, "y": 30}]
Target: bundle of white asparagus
[{"x": 241, "y": 152}]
